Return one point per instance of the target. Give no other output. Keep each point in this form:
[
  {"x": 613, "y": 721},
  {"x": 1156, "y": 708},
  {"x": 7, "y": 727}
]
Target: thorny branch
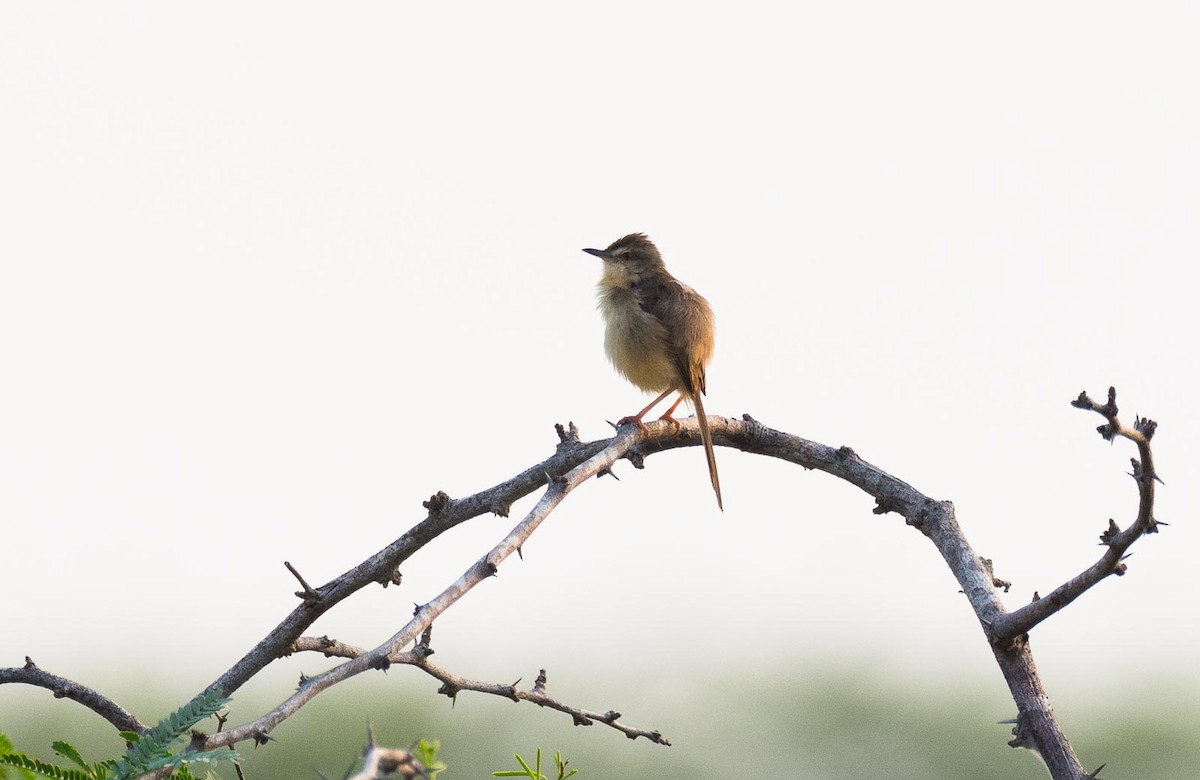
[
  {"x": 1116, "y": 541},
  {"x": 452, "y": 684},
  {"x": 381, "y": 657},
  {"x": 575, "y": 461}
]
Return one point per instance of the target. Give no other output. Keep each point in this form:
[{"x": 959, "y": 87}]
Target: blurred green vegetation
[{"x": 825, "y": 722}]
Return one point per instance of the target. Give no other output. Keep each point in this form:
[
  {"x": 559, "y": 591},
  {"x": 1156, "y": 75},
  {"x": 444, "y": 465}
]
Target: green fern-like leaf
[
  {"x": 33, "y": 765},
  {"x": 7, "y": 772},
  {"x": 207, "y": 757},
  {"x": 69, "y": 752},
  {"x": 181, "y": 720},
  {"x": 153, "y": 751},
  {"x": 15, "y": 773}
]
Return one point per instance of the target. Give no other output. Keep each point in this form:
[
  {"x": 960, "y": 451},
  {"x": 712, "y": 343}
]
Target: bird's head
[{"x": 628, "y": 260}]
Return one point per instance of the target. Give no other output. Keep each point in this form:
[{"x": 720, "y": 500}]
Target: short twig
[
  {"x": 308, "y": 594},
  {"x": 330, "y": 648}
]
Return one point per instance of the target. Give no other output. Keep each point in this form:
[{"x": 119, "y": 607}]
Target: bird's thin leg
[
  {"x": 667, "y": 415},
  {"x": 637, "y": 418}
]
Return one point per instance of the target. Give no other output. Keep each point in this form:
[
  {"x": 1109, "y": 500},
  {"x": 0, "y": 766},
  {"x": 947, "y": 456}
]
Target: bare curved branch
[
  {"x": 62, "y": 688},
  {"x": 572, "y": 464}
]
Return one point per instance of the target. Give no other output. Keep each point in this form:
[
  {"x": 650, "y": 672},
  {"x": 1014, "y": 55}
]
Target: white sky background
[{"x": 273, "y": 276}]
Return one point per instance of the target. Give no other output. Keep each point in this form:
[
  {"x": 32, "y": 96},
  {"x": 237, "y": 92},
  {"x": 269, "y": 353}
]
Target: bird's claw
[{"x": 633, "y": 421}]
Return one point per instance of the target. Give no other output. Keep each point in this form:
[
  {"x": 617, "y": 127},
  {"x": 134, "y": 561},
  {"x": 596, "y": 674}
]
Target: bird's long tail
[{"x": 706, "y": 437}]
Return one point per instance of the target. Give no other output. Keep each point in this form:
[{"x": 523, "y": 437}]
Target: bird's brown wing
[
  {"x": 689, "y": 321},
  {"x": 692, "y": 330}
]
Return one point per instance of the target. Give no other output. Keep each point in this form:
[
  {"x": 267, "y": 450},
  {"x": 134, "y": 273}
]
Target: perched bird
[{"x": 658, "y": 332}]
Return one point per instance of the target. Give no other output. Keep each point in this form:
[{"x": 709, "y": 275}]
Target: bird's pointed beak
[{"x": 598, "y": 253}]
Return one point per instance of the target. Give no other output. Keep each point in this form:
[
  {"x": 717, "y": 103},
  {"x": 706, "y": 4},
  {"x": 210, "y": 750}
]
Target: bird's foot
[
  {"x": 634, "y": 421},
  {"x": 675, "y": 423}
]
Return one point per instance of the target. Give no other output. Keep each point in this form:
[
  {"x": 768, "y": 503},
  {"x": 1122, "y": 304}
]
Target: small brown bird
[{"x": 658, "y": 332}]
